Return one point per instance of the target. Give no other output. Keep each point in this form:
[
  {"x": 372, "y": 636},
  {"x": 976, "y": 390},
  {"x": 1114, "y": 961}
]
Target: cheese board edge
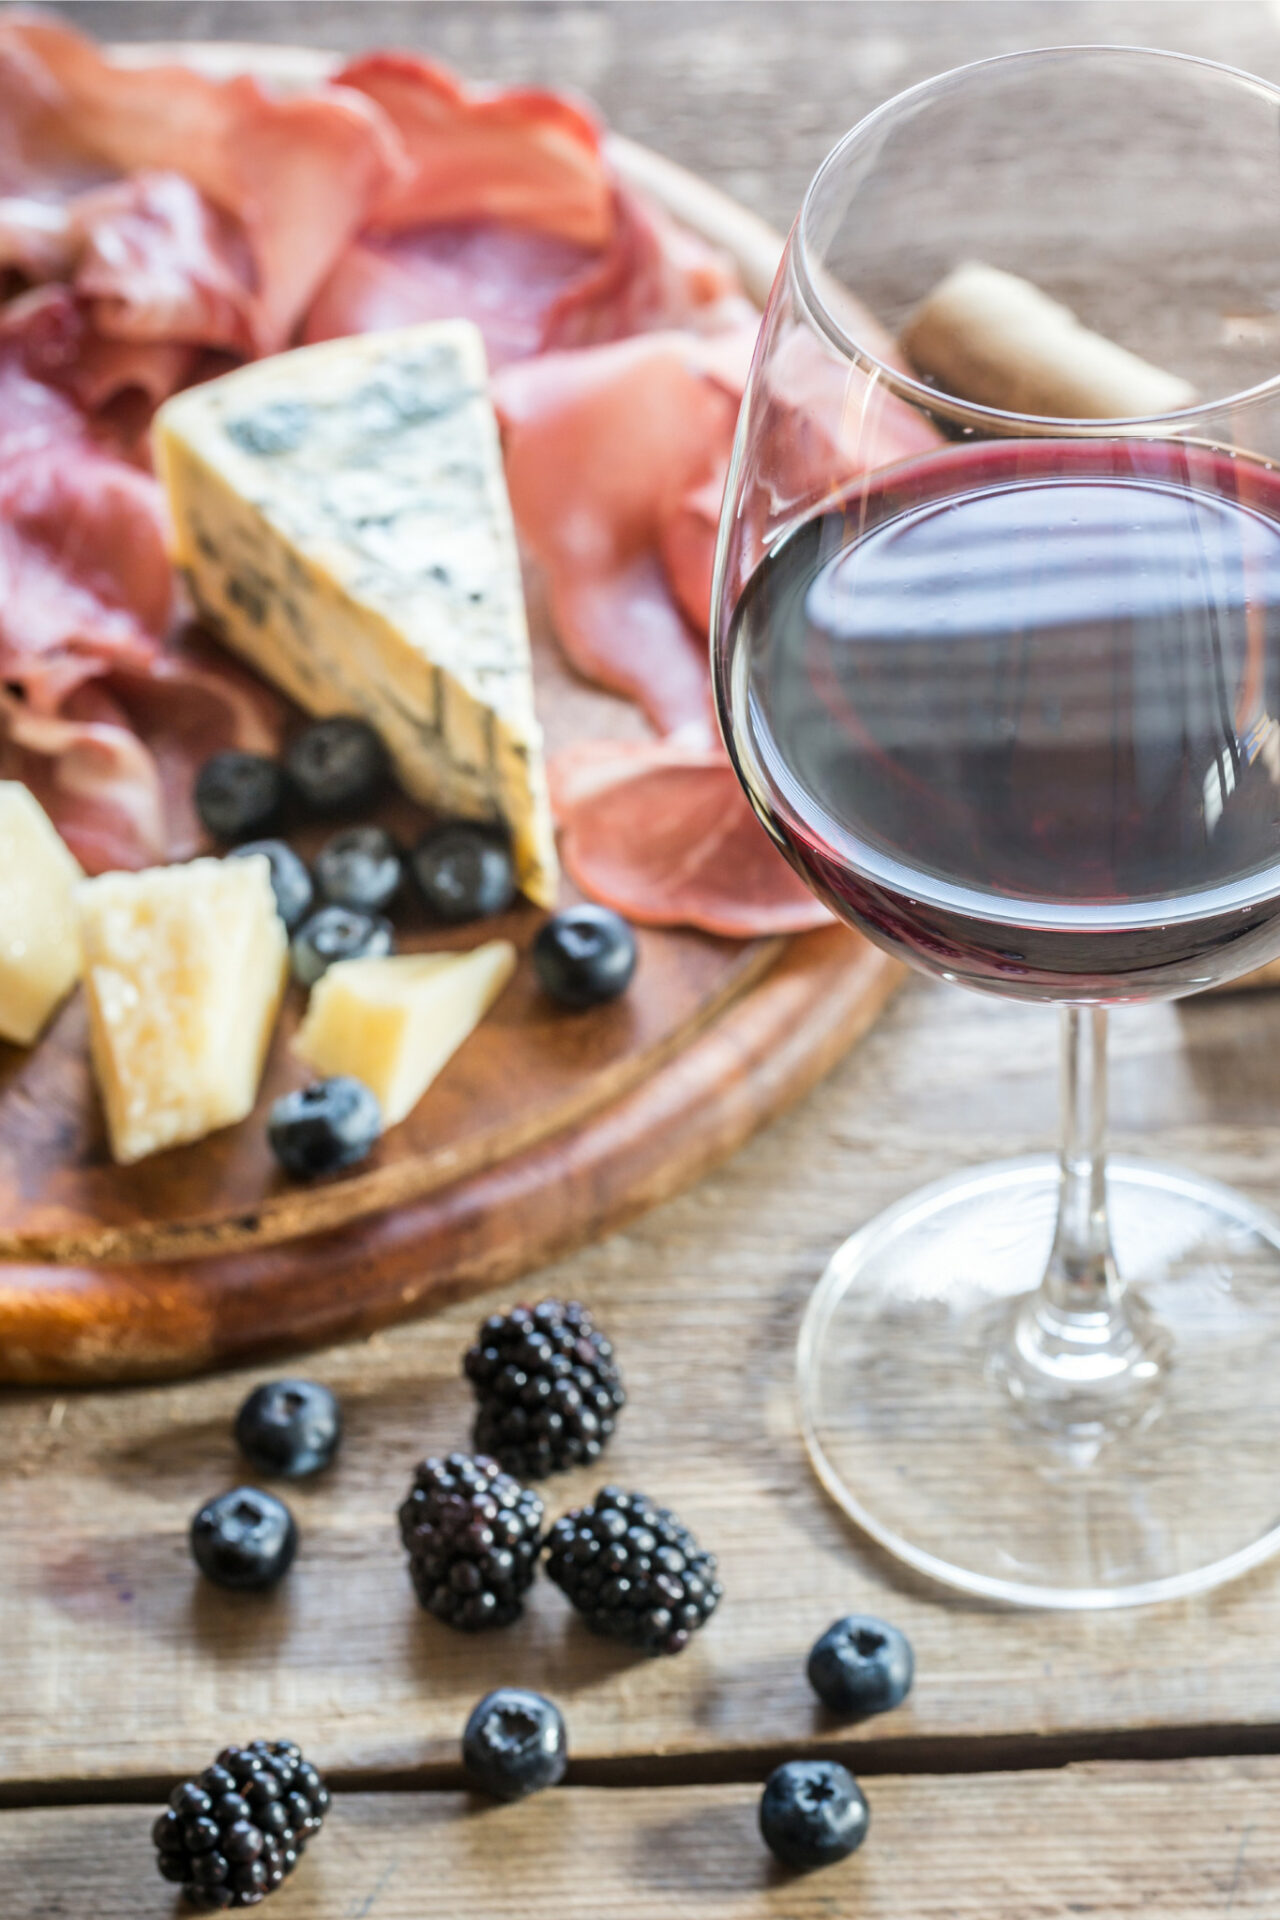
[
  {"x": 785, "y": 1017},
  {"x": 73, "y": 1325}
]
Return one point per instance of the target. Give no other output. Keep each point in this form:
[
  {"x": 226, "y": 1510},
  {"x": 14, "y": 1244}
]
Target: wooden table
[{"x": 1045, "y": 1765}]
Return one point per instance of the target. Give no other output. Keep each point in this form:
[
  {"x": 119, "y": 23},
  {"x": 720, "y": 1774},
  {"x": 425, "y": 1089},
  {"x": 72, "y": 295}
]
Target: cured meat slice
[
  {"x": 528, "y": 291},
  {"x": 508, "y": 280},
  {"x": 85, "y": 579},
  {"x": 296, "y": 175},
  {"x": 602, "y": 448},
  {"x": 94, "y": 778},
  {"x": 653, "y": 274},
  {"x": 519, "y": 156},
  {"x": 159, "y": 262},
  {"x": 53, "y": 336},
  {"x": 99, "y": 720},
  {"x": 662, "y": 832}
]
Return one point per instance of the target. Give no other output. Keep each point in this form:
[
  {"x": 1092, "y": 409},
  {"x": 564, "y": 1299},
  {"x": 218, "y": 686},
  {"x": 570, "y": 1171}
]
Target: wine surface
[{"x": 1011, "y": 712}]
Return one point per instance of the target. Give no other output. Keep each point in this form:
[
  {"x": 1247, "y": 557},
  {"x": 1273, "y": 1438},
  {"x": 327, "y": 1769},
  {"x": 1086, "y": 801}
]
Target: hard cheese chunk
[
  {"x": 184, "y": 968},
  {"x": 393, "y": 1023},
  {"x": 39, "y": 943},
  {"x": 342, "y": 519}
]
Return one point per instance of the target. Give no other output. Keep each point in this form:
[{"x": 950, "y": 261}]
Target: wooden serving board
[{"x": 547, "y": 1128}]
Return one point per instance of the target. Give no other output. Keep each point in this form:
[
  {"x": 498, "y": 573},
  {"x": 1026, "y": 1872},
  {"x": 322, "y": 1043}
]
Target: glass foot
[{"x": 917, "y": 1419}]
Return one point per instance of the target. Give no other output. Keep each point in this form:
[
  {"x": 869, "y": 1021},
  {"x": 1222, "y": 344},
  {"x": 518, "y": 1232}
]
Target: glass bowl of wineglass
[{"x": 996, "y": 644}]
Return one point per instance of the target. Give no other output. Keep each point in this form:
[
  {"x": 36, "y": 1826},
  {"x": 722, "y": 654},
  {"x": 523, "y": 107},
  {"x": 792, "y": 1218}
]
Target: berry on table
[
  {"x": 234, "y": 1834},
  {"x": 336, "y": 933},
  {"x": 548, "y": 1391},
  {"x": 633, "y": 1571},
  {"x": 239, "y": 794},
  {"x": 861, "y": 1666},
  {"x": 812, "y": 1813},
  {"x": 338, "y": 765},
  {"x": 244, "y": 1539},
  {"x": 320, "y": 1128},
  {"x": 465, "y": 872},
  {"x": 472, "y": 1534},
  {"x": 290, "y": 881},
  {"x": 585, "y": 956},
  {"x": 360, "y": 868},
  {"x": 291, "y": 1427},
  {"x": 515, "y": 1743}
]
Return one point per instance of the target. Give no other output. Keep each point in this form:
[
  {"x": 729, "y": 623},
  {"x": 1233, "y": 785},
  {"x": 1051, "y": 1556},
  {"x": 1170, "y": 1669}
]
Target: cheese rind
[
  {"x": 39, "y": 941},
  {"x": 342, "y": 519},
  {"x": 184, "y": 970},
  {"x": 393, "y": 1023}
]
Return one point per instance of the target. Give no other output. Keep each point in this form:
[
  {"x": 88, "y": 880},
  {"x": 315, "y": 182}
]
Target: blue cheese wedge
[
  {"x": 342, "y": 520},
  {"x": 184, "y": 969}
]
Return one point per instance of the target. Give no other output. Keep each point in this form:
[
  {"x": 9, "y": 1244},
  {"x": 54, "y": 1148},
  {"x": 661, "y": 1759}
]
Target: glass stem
[
  {"x": 1084, "y": 1355},
  {"x": 1081, "y": 1278}
]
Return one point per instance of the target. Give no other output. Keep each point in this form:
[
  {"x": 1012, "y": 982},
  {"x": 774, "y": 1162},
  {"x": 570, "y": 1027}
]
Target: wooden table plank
[
  {"x": 116, "y": 1660},
  {"x": 1185, "y": 1840},
  {"x": 116, "y": 1664}
]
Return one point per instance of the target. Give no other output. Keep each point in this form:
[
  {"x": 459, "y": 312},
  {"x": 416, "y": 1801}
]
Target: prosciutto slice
[
  {"x": 519, "y": 156},
  {"x": 95, "y": 716},
  {"x": 662, "y": 832},
  {"x": 510, "y": 281},
  {"x": 285, "y": 184},
  {"x": 603, "y": 447},
  {"x": 510, "y": 216}
]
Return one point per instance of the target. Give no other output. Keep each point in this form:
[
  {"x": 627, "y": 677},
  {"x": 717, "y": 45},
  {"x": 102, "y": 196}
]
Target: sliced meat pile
[
  {"x": 152, "y": 222},
  {"x": 157, "y": 225},
  {"x": 509, "y": 215}
]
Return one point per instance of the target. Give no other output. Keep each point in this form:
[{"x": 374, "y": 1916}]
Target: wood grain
[
  {"x": 1185, "y": 1840},
  {"x": 116, "y": 1661}
]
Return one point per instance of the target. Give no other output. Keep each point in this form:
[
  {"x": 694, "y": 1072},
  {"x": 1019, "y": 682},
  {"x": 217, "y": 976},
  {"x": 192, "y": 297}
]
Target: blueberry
[
  {"x": 290, "y": 881},
  {"x": 360, "y": 868},
  {"x": 338, "y": 765},
  {"x": 246, "y": 1538},
  {"x": 290, "y": 1427},
  {"x": 515, "y": 1743},
  {"x": 812, "y": 1813},
  {"x": 239, "y": 794},
  {"x": 584, "y": 956},
  {"x": 861, "y": 1666},
  {"x": 328, "y": 1125},
  {"x": 336, "y": 933},
  {"x": 465, "y": 872}
]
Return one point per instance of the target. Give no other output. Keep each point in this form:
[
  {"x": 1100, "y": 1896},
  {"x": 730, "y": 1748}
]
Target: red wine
[{"x": 1010, "y": 712}]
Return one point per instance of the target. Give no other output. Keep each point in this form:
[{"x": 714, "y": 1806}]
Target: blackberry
[
  {"x": 547, "y": 1388},
  {"x": 473, "y": 1535},
  {"x": 231, "y": 1836},
  {"x": 633, "y": 1571}
]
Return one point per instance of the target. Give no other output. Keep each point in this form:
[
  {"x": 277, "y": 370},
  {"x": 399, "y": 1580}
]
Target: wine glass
[{"x": 1001, "y": 678}]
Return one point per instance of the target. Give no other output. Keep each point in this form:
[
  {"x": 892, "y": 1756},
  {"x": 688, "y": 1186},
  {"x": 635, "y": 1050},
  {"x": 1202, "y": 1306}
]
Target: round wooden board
[{"x": 544, "y": 1130}]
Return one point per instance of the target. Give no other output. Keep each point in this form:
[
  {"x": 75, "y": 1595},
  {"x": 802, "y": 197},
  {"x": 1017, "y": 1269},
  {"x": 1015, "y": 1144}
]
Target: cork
[{"x": 986, "y": 336}]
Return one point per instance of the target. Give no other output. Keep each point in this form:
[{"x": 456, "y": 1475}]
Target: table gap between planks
[{"x": 1045, "y": 1765}]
